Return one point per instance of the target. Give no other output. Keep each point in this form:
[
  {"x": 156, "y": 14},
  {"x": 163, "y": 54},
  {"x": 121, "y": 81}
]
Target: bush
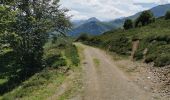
[
  {"x": 58, "y": 63},
  {"x": 138, "y": 55},
  {"x": 162, "y": 60},
  {"x": 128, "y": 24},
  {"x": 54, "y": 58},
  {"x": 158, "y": 38},
  {"x": 167, "y": 15},
  {"x": 120, "y": 44},
  {"x": 72, "y": 55},
  {"x": 150, "y": 58},
  {"x": 145, "y": 18}
]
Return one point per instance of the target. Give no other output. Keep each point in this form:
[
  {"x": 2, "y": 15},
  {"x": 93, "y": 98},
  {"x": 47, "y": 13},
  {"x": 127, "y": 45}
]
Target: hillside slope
[{"x": 154, "y": 37}]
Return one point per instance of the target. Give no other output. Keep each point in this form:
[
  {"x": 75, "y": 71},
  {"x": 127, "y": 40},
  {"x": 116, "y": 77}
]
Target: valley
[{"x": 84, "y": 50}]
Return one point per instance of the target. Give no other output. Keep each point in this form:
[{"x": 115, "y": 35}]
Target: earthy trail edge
[{"x": 104, "y": 81}]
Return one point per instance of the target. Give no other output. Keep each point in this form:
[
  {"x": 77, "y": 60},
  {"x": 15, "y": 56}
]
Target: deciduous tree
[
  {"x": 128, "y": 24},
  {"x": 30, "y": 26},
  {"x": 145, "y": 18},
  {"x": 167, "y": 15}
]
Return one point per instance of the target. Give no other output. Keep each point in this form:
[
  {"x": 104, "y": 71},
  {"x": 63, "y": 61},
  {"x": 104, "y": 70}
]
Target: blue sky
[{"x": 107, "y": 9}]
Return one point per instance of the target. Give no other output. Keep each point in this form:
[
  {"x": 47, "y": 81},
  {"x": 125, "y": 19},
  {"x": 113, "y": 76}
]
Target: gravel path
[{"x": 104, "y": 81}]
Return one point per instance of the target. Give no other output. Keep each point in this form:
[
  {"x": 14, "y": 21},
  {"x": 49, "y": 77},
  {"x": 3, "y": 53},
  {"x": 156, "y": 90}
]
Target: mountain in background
[
  {"x": 93, "y": 26},
  {"x": 158, "y": 11},
  {"x": 77, "y": 23}
]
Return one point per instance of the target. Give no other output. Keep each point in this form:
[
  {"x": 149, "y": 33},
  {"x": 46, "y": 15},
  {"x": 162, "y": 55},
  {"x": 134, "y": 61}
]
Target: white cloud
[
  {"x": 105, "y": 9},
  {"x": 77, "y": 14},
  {"x": 153, "y": 1}
]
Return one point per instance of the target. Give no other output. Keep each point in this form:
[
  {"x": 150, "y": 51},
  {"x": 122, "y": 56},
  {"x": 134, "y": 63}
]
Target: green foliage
[
  {"x": 72, "y": 54},
  {"x": 53, "y": 54},
  {"x": 145, "y": 18},
  {"x": 119, "y": 44},
  {"x": 38, "y": 87},
  {"x": 167, "y": 15},
  {"x": 162, "y": 60},
  {"x": 128, "y": 24},
  {"x": 54, "y": 58},
  {"x": 62, "y": 53},
  {"x": 26, "y": 28},
  {"x": 155, "y": 37}
]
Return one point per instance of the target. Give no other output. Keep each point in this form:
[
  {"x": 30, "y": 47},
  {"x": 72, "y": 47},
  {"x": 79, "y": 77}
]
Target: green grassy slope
[
  {"x": 155, "y": 37},
  {"x": 60, "y": 57}
]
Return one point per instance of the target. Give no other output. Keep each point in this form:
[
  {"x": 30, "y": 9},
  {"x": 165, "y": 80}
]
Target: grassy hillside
[
  {"x": 155, "y": 37},
  {"x": 60, "y": 57}
]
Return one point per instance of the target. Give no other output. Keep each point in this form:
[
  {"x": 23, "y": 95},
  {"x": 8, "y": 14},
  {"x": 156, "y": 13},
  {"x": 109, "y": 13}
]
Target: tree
[
  {"x": 34, "y": 20},
  {"x": 128, "y": 24},
  {"x": 167, "y": 15},
  {"x": 145, "y": 18},
  {"x": 6, "y": 20}
]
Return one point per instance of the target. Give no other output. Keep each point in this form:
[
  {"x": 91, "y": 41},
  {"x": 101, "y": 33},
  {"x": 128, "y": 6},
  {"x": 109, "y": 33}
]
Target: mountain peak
[{"x": 93, "y": 19}]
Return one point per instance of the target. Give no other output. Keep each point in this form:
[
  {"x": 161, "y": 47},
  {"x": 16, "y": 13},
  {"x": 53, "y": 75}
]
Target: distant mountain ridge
[
  {"x": 93, "y": 26},
  {"x": 158, "y": 11},
  {"x": 77, "y": 23}
]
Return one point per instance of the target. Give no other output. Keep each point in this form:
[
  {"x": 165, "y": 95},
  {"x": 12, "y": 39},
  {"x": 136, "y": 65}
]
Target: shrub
[
  {"x": 72, "y": 55},
  {"x": 150, "y": 58},
  {"x": 138, "y": 55},
  {"x": 162, "y": 60},
  {"x": 120, "y": 44},
  {"x": 128, "y": 24},
  {"x": 58, "y": 63},
  {"x": 145, "y": 18},
  {"x": 167, "y": 15},
  {"x": 53, "y": 58}
]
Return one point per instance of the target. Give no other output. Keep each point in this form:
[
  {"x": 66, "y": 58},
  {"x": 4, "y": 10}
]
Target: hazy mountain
[
  {"x": 93, "y": 19},
  {"x": 92, "y": 26},
  {"x": 77, "y": 23},
  {"x": 158, "y": 11}
]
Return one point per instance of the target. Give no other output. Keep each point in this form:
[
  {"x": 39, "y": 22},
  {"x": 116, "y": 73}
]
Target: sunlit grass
[{"x": 39, "y": 87}]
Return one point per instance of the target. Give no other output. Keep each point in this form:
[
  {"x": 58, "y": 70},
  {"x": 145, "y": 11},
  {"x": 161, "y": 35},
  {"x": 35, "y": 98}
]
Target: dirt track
[{"x": 104, "y": 81}]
